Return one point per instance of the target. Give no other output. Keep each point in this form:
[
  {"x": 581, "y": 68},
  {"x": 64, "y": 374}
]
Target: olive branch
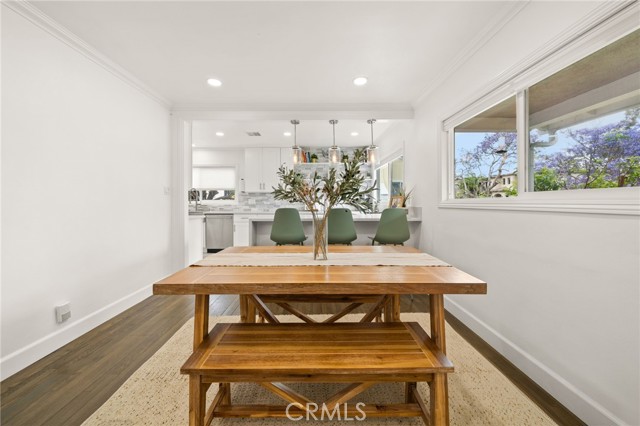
[{"x": 348, "y": 187}]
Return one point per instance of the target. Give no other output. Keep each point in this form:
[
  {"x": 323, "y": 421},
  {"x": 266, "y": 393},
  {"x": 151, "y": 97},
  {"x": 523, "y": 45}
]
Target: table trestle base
[{"x": 387, "y": 304}]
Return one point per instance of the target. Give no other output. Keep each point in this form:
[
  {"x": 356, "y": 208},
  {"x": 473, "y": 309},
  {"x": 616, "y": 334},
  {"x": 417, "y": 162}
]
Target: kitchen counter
[
  {"x": 253, "y": 228},
  {"x": 306, "y": 217}
]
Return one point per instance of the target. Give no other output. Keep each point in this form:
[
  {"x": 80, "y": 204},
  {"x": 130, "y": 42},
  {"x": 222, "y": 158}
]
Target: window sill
[{"x": 594, "y": 206}]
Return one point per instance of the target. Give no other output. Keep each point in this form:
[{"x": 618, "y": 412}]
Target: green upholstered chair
[
  {"x": 342, "y": 230},
  {"x": 393, "y": 227},
  {"x": 287, "y": 227}
]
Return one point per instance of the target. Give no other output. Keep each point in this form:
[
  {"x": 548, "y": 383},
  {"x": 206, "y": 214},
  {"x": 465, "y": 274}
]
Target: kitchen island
[{"x": 254, "y": 229}]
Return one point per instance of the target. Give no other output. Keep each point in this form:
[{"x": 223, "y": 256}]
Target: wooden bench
[{"x": 361, "y": 354}]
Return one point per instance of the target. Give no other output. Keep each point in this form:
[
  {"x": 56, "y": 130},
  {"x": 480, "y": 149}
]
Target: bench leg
[
  {"x": 439, "y": 384},
  {"x": 197, "y": 401},
  {"x": 408, "y": 392},
  {"x": 439, "y": 406},
  {"x": 227, "y": 395}
]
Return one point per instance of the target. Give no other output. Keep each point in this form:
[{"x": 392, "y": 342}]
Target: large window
[
  {"x": 579, "y": 129},
  {"x": 584, "y": 128},
  {"x": 486, "y": 153}
]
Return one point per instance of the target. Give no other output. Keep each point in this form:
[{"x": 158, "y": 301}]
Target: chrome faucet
[{"x": 193, "y": 194}]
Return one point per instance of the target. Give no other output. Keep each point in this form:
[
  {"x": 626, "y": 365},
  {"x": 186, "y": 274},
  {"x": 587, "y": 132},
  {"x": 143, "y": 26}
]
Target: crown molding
[
  {"x": 286, "y": 111},
  {"x": 488, "y": 32},
  {"x": 43, "y": 21}
]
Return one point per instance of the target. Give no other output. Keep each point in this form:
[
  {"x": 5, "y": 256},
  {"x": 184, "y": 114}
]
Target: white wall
[
  {"x": 85, "y": 163},
  {"x": 563, "y": 298}
]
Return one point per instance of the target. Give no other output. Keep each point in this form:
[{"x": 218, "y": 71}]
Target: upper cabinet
[{"x": 261, "y": 169}]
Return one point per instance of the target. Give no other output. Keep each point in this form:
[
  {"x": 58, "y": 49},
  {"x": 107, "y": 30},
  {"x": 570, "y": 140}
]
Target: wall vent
[{"x": 254, "y": 134}]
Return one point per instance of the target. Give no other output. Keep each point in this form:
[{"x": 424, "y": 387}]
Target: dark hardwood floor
[{"x": 67, "y": 386}]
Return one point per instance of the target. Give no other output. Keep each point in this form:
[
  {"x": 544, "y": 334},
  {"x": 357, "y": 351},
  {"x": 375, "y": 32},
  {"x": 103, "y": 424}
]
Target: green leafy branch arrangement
[{"x": 320, "y": 194}]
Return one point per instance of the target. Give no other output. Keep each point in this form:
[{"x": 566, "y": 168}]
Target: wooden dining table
[{"x": 320, "y": 281}]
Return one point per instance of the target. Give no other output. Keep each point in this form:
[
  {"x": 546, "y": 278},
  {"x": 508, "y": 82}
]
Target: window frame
[
  {"x": 235, "y": 188},
  {"x": 387, "y": 161},
  {"x": 582, "y": 43}
]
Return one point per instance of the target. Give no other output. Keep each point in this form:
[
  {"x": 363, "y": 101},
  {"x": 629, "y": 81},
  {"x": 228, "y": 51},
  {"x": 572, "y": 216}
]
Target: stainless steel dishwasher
[{"x": 219, "y": 232}]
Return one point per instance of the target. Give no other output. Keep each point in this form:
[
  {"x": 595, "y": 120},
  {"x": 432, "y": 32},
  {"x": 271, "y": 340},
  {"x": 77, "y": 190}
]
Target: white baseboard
[
  {"x": 590, "y": 411},
  {"x": 16, "y": 361}
]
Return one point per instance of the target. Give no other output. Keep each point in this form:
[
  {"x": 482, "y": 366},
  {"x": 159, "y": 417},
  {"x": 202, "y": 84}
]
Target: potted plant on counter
[
  {"x": 320, "y": 193},
  {"x": 404, "y": 197}
]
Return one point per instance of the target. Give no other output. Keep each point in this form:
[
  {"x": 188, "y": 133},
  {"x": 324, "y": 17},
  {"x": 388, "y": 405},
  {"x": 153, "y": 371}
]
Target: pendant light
[
  {"x": 372, "y": 150},
  {"x": 335, "y": 155},
  {"x": 296, "y": 151}
]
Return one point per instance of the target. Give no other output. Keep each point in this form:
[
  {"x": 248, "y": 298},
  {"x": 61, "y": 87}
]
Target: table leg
[
  {"x": 251, "y": 311},
  {"x": 243, "y": 307},
  {"x": 392, "y": 310},
  {"x": 436, "y": 312},
  {"x": 439, "y": 385},
  {"x": 200, "y": 319}
]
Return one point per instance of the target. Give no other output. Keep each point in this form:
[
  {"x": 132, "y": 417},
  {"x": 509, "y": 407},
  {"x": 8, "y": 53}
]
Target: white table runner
[{"x": 306, "y": 259}]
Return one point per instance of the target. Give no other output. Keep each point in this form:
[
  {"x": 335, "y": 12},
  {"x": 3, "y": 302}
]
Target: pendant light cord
[
  {"x": 295, "y": 132},
  {"x": 333, "y": 123}
]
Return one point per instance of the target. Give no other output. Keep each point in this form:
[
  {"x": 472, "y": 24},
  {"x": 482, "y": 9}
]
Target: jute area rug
[{"x": 157, "y": 394}]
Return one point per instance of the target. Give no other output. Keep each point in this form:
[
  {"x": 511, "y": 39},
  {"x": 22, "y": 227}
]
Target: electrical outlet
[{"x": 63, "y": 312}]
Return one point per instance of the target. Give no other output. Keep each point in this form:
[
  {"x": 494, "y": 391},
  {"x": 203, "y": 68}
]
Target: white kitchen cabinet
[
  {"x": 241, "y": 234},
  {"x": 286, "y": 157},
  {"x": 196, "y": 239},
  {"x": 261, "y": 169}
]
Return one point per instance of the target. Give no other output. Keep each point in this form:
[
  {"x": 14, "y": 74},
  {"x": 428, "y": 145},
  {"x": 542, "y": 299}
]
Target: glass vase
[{"x": 320, "y": 236}]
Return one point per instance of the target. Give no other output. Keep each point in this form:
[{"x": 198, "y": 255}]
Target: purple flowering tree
[
  {"x": 480, "y": 170},
  {"x": 600, "y": 157}
]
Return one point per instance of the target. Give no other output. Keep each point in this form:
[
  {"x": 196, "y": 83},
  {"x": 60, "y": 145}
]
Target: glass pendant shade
[
  {"x": 335, "y": 154},
  {"x": 372, "y": 150},
  {"x": 372, "y": 154},
  {"x": 296, "y": 153}
]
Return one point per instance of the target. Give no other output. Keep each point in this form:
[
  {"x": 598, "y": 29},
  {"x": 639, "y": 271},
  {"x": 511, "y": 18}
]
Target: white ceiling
[
  {"x": 276, "y": 53},
  {"x": 310, "y": 133},
  {"x": 291, "y": 56}
]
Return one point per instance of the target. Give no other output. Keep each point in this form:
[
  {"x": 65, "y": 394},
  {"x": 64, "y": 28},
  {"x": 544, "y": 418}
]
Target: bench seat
[{"x": 272, "y": 354}]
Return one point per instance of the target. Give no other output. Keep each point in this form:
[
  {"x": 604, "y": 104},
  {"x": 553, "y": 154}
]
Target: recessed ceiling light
[
  {"x": 382, "y": 121},
  {"x": 219, "y": 133},
  {"x": 193, "y": 144},
  {"x": 287, "y": 133},
  {"x": 360, "y": 81},
  {"x": 214, "y": 82},
  {"x": 354, "y": 133}
]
